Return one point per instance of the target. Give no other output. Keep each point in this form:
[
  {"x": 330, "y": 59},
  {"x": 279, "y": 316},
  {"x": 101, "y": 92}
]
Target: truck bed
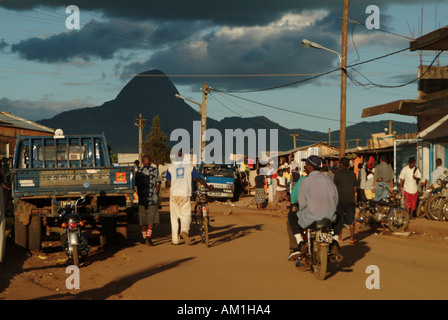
[{"x": 63, "y": 181}]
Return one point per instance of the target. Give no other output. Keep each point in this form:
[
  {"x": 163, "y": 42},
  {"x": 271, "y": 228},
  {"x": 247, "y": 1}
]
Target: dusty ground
[{"x": 246, "y": 260}]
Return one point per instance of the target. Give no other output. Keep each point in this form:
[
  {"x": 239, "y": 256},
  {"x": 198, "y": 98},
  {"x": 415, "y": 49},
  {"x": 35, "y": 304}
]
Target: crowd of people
[{"x": 320, "y": 192}]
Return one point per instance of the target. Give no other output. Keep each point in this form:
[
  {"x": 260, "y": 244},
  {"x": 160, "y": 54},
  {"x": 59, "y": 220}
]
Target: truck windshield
[{"x": 216, "y": 170}]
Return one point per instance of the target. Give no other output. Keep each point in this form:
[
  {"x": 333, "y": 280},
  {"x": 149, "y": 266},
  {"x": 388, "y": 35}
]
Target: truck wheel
[
  {"x": 107, "y": 231},
  {"x": 122, "y": 226},
  {"x": 35, "y": 232},
  {"x": 20, "y": 233},
  {"x": 122, "y": 230}
]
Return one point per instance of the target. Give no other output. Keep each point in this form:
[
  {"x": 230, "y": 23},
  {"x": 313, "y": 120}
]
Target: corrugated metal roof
[{"x": 9, "y": 120}]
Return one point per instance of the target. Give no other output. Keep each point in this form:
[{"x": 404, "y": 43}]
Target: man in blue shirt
[{"x": 318, "y": 199}]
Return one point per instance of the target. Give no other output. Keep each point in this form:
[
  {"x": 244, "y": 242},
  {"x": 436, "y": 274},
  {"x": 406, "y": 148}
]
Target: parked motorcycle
[
  {"x": 73, "y": 242},
  {"x": 387, "y": 212},
  {"x": 434, "y": 205},
  {"x": 423, "y": 200},
  {"x": 319, "y": 249}
]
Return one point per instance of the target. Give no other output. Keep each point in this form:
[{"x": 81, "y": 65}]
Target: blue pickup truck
[
  {"x": 224, "y": 178},
  {"x": 51, "y": 171}
]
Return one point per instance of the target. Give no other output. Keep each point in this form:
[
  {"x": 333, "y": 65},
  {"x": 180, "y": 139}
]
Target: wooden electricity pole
[
  {"x": 203, "y": 112},
  {"x": 342, "y": 137},
  {"x": 140, "y": 122},
  {"x": 294, "y": 135}
]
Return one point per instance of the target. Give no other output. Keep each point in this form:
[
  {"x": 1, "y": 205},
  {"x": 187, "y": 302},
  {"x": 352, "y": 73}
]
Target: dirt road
[{"x": 247, "y": 259}]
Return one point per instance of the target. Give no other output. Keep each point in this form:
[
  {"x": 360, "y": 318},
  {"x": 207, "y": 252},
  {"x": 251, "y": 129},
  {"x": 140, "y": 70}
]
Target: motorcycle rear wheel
[
  {"x": 445, "y": 209},
  {"x": 75, "y": 253},
  {"x": 320, "y": 268},
  {"x": 398, "y": 220},
  {"x": 433, "y": 208}
]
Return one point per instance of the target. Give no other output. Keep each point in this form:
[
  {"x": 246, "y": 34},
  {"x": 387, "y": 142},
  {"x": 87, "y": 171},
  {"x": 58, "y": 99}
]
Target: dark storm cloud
[
  {"x": 95, "y": 39},
  {"x": 270, "y": 49},
  {"x": 3, "y": 45},
  {"x": 230, "y": 12},
  {"x": 104, "y": 39},
  {"x": 205, "y": 37}
]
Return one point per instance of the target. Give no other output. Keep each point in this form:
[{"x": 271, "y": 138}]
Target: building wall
[{"x": 8, "y": 138}]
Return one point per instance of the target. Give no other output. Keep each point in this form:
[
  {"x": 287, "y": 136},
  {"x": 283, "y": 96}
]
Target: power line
[
  {"x": 263, "y": 124},
  {"x": 393, "y": 86},
  {"x": 296, "y": 112},
  {"x": 277, "y": 108},
  {"x": 301, "y": 133},
  {"x": 381, "y": 30},
  {"x": 314, "y": 77}
]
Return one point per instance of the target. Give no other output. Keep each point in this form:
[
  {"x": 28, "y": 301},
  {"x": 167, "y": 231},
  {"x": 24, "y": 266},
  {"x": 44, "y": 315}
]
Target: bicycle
[{"x": 200, "y": 217}]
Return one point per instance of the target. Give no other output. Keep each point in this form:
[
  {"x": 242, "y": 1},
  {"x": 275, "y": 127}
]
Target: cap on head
[{"x": 313, "y": 161}]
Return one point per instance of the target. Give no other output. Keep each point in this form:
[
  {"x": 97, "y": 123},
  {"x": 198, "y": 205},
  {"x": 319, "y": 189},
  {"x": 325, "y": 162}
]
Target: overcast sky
[{"x": 231, "y": 45}]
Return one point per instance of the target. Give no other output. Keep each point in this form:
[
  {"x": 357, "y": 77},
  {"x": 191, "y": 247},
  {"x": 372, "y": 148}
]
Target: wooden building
[
  {"x": 430, "y": 108},
  {"x": 11, "y": 126}
]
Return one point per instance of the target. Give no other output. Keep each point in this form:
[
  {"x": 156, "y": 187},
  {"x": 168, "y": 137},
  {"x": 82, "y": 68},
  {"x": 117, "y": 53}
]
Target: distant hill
[{"x": 152, "y": 93}]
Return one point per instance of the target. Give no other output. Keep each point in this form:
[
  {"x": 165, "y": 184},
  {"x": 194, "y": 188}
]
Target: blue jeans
[{"x": 381, "y": 190}]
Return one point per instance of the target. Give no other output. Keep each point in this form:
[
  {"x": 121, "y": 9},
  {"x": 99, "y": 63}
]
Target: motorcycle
[
  {"x": 434, "y": 204},
  {"x": 73, "y": 242},
  {"x": 422, "y": 209},
  {"x": 319, "y": 249},
  {"x": 387, "y": 211}
]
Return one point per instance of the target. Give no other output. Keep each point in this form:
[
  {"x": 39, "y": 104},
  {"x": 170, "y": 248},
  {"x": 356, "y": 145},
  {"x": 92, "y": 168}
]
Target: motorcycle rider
[{"x": 318, "y": 199}]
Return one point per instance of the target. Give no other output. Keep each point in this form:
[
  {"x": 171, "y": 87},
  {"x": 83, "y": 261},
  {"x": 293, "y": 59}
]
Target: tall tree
[{"x": 156, "y": 144}]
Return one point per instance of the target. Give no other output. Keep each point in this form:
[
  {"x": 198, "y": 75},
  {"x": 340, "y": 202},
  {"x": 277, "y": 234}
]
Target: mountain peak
[{"x": 148, "y": 82}]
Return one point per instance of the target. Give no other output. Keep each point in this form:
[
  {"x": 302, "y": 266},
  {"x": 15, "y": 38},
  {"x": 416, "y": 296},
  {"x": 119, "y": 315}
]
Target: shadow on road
[
  {"x": 117, "y": 286},
  {"x": 352, "y": 253},
  {"x": 228, "y": 233}
]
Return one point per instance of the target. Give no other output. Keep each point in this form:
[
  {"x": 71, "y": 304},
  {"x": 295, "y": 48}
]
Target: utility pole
[
  {"x": 342, "y": 137},
  {"x": 294, "y": 135},
  {"x": 329, "y": 136},
  {"x": 140, "y": 122},
  {"x": 203, "y": 112}
]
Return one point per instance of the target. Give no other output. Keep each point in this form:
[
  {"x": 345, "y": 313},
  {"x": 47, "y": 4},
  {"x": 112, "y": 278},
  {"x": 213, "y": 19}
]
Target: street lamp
[
  {"x": 310, "y": 44},
  {"x": 178, "y": 96},
  {"x": 342, "y": 61}
]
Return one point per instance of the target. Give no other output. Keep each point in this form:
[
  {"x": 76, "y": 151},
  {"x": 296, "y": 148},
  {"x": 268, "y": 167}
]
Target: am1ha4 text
[{"x": 240, "y": 309}]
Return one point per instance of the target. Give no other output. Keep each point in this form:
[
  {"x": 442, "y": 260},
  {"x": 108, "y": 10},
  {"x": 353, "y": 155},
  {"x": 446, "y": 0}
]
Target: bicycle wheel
[
  {"x": 196, "y": 221},
  {"x": 205, "y": 230}
]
